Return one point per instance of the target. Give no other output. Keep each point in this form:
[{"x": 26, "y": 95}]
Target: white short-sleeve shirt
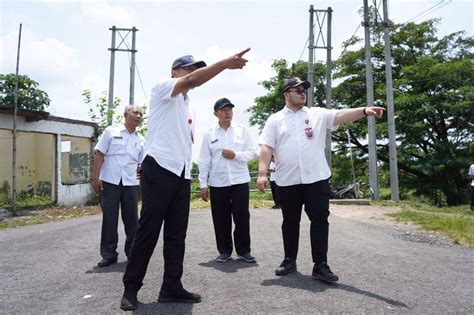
[
  {"x": 170, "y": 129},
  {"x": 123, "y": 152},
  {"x": 298, "y": 140},
  {"x": 219, "y": 171}
]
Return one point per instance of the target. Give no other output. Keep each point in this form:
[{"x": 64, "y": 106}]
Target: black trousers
[
  {"x": 315, "y": 198},
  {"x": 165, "y": 198},
  {"x": 227, "y": 203},
  {"x": 275, "y": 192},
  {"x": 111, "y": 198},
  {"x": 472, "y": 197}
]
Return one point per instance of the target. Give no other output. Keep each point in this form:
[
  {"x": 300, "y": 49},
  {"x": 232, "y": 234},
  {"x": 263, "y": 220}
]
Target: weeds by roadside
[{"x": 456, "y": 223}]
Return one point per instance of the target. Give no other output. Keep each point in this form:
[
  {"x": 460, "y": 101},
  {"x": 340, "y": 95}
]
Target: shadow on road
[
  {"x": 299, "y": 281},
  {"x": 118, "y": 267},
  {"x": 230, "y": 266},
  {"x": 164, "y": 308}
]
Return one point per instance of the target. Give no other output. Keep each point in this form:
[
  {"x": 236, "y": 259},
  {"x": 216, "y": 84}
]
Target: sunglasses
[
  {"x": 298, "y": 91},
  {"x": 189, "y": 68}
]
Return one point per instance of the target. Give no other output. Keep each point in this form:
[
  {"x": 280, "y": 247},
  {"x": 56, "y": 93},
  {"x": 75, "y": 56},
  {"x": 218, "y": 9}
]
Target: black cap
[
  {"x": 292, "y": 82},
  {"x": 186, "y": 61},
  {"x": 221, "y": 103}
]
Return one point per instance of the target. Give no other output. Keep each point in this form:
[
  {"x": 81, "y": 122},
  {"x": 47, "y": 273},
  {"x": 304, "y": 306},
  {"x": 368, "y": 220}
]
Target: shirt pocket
[{"x": 134, "y": 152}]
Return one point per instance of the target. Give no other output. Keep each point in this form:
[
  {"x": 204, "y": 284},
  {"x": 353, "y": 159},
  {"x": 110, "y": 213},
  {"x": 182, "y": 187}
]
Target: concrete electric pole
[
  {"x": 370, "y": 101},
  {"x": 327, "y": 46},
  {"x": 113, "y": 49},
  {"x": 390, "y": 108}
]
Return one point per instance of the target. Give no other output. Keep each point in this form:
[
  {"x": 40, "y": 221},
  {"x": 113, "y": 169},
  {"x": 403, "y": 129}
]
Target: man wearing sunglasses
[
  {"x": 165, "y": 179},
  {"x": 296, "y": 137}
]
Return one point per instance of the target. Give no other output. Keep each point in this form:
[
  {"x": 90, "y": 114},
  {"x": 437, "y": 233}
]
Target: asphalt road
[{"x": 383, "y": 268}]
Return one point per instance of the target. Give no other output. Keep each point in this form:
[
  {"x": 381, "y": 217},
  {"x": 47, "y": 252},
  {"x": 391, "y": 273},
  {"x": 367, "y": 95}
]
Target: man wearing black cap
[
  {"x": 296, "y": 136},
  {"x": 165, "y": 179},
  {"x": 225, "y": 151}
]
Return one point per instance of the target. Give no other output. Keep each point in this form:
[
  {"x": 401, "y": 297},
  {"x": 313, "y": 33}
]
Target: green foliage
[
  {"x": 273, "y": 101},
  {"x": 29, "y": 95},
  {"x": 434, "y": 108},
  {"x": 99, "y": 112}
]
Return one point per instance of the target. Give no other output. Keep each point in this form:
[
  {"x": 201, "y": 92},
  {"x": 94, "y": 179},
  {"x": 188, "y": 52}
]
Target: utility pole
[
  {"x": 14, "y": 124},
  {"x": 390, "y": 107},
  {"x": 310, "y": 98},
  {"x": 113, "y": 49},
  {"x": 370, "y": 101},
  {"x": 111, "y": 77},
  {"x": 328, "y": 48},
  {"x": 328, "y": 83}
]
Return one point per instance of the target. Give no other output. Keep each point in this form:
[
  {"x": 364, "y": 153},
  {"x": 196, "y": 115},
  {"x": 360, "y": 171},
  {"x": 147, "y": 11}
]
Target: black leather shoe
[
  {"x": 106, "y": 262},
  {"x": 287, "y": 266},
  {"x": 323, "y": 273},
  {"x": 128, "y": 303},
  {"x": 178, "y": 295}
]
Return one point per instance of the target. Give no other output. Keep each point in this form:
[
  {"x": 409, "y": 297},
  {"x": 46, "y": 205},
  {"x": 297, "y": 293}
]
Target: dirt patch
[{"x": 365, "y": 213}]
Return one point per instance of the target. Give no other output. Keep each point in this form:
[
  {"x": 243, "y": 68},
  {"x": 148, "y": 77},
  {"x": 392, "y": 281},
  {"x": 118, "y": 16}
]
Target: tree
[
  {"x": 273, "y": 101},
  {"x": 99, "y": 112},
  {"x": 434, "y": 105},
  {"x": 29, "y": 95}
]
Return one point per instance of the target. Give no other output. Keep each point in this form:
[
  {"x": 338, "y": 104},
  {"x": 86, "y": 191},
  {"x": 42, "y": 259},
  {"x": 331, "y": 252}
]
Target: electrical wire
[{"x": 430, "y": 10}]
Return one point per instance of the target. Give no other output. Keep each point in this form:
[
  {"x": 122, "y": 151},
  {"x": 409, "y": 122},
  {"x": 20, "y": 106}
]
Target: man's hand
[
  {"x": 374, "y": 111},
  {"x": 237, "y": 61},
  {"x": 262, "y": 183},
  {"x": 139, "y": 171},
  {"x": 204, "y": 194},
  {"x": 97, "y": 185},
  {"x": 228, "y": 154}
]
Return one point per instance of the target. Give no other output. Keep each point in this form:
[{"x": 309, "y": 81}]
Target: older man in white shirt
[
  {"x": 118, "y": 154},
  {"x": 225, "y": 151}
]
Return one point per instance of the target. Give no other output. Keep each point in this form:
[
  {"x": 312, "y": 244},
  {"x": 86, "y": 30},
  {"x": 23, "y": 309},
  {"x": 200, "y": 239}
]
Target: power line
[
  {"x": 432, "y": 9},
  {"x": 304, "y": 48},
  {"x": 138, "y": 72}
]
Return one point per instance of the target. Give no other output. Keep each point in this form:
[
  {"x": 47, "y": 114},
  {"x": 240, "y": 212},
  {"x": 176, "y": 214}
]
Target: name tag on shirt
[
  {"x": 214, "y": 141},
  {"x": 118, "y": 137}
]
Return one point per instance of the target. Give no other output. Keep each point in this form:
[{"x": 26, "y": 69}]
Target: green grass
[
  {"x": 456, "y": 223},
  {"x": 26, "y": 202},
  {"x": 257, "y": 200},
  {"x": 49, "y": 215}
]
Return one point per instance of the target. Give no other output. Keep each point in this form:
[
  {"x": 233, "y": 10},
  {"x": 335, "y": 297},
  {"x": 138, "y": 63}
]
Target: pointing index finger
[{"x": 240, "y": 54}]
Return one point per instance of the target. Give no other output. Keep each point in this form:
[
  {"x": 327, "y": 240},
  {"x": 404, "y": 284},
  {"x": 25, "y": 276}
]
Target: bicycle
[{"x": 359, "y": 190}]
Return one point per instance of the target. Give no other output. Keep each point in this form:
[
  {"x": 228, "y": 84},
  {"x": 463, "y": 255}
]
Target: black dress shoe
[
  {"x": 128, "y": 303},
  {"x": 323, "y": 273},
  {"x": 107, "y": 261},
  {"x": 178, "y": 295},
  {"x": 287, "y": 266}
]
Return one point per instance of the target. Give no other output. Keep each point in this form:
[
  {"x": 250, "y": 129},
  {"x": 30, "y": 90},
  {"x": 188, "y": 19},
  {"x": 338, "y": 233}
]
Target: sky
[{"x": 64, "y": 44}]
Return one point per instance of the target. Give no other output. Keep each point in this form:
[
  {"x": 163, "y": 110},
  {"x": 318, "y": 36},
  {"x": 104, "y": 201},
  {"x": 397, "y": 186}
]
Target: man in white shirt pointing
[
  {"x": 166, "y": 179},
  {"x": 225, "y": 151}
]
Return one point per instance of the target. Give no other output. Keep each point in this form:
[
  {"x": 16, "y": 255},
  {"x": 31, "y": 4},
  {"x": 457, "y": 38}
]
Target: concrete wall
[
  {"x": 36, "y": 153},
  {"x": 41, "y": 164}
]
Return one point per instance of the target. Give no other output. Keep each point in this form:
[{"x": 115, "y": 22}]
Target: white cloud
[
  {"x": 108, "y": 13},
  {"x": 43, "y": 59}
]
